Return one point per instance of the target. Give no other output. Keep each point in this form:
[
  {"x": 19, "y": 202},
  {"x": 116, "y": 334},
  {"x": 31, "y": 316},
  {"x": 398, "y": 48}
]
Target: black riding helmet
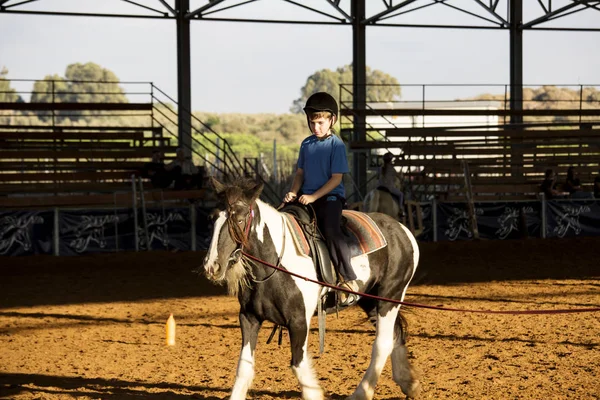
[{"x": 322, "y": 101}]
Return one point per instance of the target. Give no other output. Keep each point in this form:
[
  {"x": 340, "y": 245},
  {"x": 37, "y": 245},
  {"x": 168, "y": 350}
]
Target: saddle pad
[
  {"x": 365, "y": 235},
  {"x": 297, "y": 234}
]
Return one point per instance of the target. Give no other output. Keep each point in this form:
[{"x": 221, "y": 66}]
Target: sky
[{"x": 260, "y": 68}]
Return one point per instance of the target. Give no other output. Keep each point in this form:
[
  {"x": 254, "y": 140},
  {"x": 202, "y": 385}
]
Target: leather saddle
[{"x": 318, "y": 248}]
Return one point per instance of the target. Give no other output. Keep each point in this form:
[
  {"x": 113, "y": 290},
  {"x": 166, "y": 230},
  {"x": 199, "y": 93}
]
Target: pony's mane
[{"x": 235, "y": 190}]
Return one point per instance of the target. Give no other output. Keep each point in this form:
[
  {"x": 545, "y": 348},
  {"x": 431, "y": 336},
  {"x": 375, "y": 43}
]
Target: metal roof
[{"x": 464, "y": 14}]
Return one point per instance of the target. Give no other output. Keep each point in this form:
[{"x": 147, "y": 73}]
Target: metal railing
[
  {"x": 143, "y": 103},
  {"x": 415, "y": 111}
]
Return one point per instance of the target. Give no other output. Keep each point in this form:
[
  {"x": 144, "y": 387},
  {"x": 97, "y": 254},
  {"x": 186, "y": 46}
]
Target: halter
[{"x": 239, "y": 251}]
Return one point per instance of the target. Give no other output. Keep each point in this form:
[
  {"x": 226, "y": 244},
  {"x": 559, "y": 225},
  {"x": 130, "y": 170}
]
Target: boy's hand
[
  {"x": 289, "y": 197},
  {"x": 306, "y": 199}
]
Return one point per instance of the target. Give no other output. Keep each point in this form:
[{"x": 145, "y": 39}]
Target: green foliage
[
  {"x": 246, "y": 146},
  {"x": 383, "y": 87},
  {"x": 83, "y": 83},
  {"x": 7, "y": 93},
  {"x": 284, "y": 128},
  {"x": 551, "y": 97}
]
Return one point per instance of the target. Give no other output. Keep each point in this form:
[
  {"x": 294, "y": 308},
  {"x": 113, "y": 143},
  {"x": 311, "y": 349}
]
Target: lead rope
[{"x": 416, "y": 305}]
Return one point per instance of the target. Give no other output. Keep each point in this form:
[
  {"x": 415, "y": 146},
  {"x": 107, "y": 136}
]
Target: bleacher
[
  {"x": 51, "y": 154},
  {"x": 504, "y": 162},
  {"x": 66, "y": 159}
]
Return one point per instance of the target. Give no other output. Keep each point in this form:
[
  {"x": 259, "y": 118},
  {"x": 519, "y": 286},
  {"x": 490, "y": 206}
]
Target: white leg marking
[
  {"x": 311, "y": 390},
  {"x": 382, "y": 348},
  {"x": 244, "y": 375}
]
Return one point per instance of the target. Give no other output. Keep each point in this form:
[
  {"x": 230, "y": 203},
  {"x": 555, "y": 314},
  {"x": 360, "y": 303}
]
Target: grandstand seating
[
  {"x": 505, "y": 162},
  {"x": 69, "y": 159}
]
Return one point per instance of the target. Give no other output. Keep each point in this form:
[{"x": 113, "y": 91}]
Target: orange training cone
[{"x": 171, "y": 331}]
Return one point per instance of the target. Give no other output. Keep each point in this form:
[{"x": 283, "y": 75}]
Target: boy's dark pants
[{"x": 328, "y": 210}]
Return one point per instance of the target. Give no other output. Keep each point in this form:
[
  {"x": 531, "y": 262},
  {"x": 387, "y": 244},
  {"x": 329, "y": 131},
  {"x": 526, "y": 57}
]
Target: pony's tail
[{"x": 400, "y": 329}]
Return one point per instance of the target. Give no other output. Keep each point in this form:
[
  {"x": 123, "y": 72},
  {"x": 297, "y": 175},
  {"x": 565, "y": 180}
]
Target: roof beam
[
  {"x": 200, "y": 10},
  {"x": 168, "y": 7},
  {"x": 549, "y": 15},
  {"x": 389, "y": 10}
]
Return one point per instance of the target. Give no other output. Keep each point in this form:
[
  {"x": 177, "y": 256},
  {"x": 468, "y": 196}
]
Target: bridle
[{"x": 239, "y": 253}]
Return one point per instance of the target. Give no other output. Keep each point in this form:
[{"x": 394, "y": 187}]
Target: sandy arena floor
[{"x": 94, "y": 328}]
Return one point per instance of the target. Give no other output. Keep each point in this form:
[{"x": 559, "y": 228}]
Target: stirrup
[{"x": 351, "y": 299}]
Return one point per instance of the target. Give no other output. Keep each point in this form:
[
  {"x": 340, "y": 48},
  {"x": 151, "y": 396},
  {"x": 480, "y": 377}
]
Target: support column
[
  {"x": 516, "y": 59},
  {"x": 516, "y": 81},
  {"x": 184, "y": 80},
  {"x": 359, "y": 90}
]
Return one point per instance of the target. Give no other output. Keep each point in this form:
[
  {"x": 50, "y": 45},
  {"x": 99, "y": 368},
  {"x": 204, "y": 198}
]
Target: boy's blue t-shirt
[{"x": 320, "y": 159}]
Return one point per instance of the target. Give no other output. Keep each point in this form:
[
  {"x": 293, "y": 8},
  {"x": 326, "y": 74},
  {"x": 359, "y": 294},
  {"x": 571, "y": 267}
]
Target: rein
[{"x": 416, "y": 305}]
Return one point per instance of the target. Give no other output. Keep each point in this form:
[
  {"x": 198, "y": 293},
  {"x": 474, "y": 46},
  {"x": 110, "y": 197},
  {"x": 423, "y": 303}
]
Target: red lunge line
[{"x": 404, "y": 303}]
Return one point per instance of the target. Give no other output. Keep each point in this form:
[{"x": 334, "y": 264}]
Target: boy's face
[{"x": 320, "y": 126}]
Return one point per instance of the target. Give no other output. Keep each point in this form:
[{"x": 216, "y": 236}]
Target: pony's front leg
[
  {"x": 245, "y": 369},
  {"x": 301, "y": 363},
  {"x": 382, "y": 348}
]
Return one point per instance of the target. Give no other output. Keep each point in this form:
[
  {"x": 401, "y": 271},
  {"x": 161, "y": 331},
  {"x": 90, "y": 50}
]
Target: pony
[
  {"x": 381, "y": 201},
  {"x": 250, "y": 238}
]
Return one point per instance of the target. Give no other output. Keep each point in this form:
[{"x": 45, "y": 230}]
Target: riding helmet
[{"x": 322, "y": 101}]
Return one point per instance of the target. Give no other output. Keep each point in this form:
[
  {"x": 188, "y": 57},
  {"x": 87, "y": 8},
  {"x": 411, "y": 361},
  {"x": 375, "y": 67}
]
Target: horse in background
[
  {"x": 254, "y": 252},
  {"x": 382, "y": 201}
]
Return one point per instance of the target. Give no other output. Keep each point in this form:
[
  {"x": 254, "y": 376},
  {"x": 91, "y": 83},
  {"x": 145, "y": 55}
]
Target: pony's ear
[
  {"x": 256, "y": 191},
  {"x": 219, "y": 187}
]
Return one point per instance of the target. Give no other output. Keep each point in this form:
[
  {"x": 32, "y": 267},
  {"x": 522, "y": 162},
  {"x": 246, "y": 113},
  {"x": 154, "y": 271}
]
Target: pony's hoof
[
  {"x": 412, "y": 389},
  {"x": 313, "y": 394}
]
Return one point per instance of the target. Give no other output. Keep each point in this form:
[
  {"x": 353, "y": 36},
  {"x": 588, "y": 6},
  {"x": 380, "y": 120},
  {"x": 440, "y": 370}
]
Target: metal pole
[
  {"x": 55, "y": 239},
  {"x": 162, "y": 206},
  {"x": 135, "y": 216},
  {"x": 516, "y": 60},
  {"x": 193, "y": 225},
  {"x": 544, "y": 207},
  {"x": 470, "y": 201},
  {"x": 144, "y": 216},
  {"x": 184, "y": 80},
  {"x": 580, "y": 103},
  {"x": 359, "y": 94},
  {"x": 434, "y": 217},
  {"x": 116, "y": 222}
]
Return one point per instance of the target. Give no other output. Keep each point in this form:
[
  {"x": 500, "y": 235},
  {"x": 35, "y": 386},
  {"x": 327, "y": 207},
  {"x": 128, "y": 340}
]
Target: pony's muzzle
[{"x": 210, "y": 267}]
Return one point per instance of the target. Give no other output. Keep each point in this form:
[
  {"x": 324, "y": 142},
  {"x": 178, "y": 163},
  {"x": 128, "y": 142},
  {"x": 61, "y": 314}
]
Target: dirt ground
[{"x": 94, "y": 328}]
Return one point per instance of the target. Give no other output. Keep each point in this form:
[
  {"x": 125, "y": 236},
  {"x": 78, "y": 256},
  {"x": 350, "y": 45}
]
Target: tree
[
  {"x": 7, "y": 93},
  {"x": 383, "y": 87},
  {"x": 52, "y": 89},
  {"x": 83, "y": 83}
]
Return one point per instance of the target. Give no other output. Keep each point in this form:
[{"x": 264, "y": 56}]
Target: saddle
[
  {"x": 302, "y": 222},
  {"x": 361, "y": 232}
]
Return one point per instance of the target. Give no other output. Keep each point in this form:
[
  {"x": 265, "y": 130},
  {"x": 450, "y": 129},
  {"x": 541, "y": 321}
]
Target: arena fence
[{"x": 73, "y": 231}]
